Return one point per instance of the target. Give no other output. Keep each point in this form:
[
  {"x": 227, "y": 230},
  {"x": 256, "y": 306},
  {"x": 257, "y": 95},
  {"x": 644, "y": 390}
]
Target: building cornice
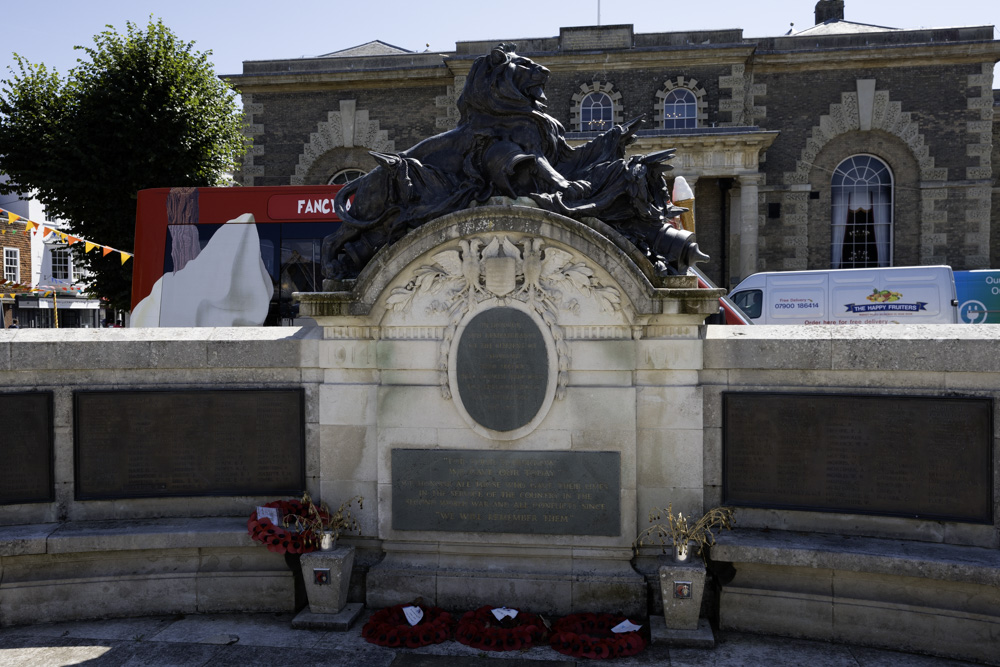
[
  {"x": 641, "y": 58},
  {"x": 725, "y": 154},
  {"x": 878, "y": 55},
  {"x": 280, "y": 82}
]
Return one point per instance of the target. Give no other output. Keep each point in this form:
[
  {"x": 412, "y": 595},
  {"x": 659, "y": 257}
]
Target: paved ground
[{"x": 268, "y": 639}]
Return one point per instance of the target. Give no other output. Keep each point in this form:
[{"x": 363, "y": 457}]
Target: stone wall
[
  {"x": 65, "y": 361},
  {"x": 924, "y": 360},
  {"x": 654, "y": 398},
  {"x": 918, "y": 360}
]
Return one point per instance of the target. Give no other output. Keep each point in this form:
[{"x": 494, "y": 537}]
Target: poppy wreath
[
  {"x": 389, "y": 627},
  {"x": 590, "y": 636},
  {"x": 480, "y": 629},
  {"x": 279, "y": 539}
]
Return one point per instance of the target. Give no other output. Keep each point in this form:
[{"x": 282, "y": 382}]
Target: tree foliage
[{"x": 142, "y": 110}]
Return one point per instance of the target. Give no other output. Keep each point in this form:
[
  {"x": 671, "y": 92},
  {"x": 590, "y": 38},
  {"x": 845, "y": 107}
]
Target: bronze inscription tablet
[
  {"x": 140, "y": 444},
  {"x": 26, "y": 447},
  {"x": 558, "y": 493},
  {"x": 908, "y": 456},
  {"x": 502, "y": 369}
]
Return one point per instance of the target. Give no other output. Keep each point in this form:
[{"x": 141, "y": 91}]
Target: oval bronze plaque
[{"x": 502, "y": 369}]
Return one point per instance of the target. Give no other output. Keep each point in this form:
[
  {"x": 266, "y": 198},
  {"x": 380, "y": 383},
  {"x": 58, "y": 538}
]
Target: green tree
[{"x": 143, "y": 110}]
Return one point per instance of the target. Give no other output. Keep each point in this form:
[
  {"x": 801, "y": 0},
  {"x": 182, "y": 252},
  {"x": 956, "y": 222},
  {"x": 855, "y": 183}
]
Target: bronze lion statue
[{"x": 505, "y": 144}]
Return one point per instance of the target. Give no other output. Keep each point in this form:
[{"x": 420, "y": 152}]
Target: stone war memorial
[{"x": 510, "y": 365}]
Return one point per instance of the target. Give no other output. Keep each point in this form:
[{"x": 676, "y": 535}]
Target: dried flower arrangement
[
  {"x": 682, "y": 534},
  {"x": 314, "y": 522},
  {"x": 303, "y": 525}
]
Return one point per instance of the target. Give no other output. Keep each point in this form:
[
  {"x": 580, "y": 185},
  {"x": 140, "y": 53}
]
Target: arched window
[
  {"x": 597, "y": 113},
  {"x": 680, "y": 109},
  {"x": 862, "y": 213},
  {"x": 345, "y": 176}
]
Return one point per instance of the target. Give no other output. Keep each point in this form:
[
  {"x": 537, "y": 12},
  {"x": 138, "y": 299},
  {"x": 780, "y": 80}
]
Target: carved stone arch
[
  {"x": 689, "y": 84},
  {"x": 349, "y": 127},
  {"x": 863, "y": 110},
  {"x": 907, "y": 203},
  {"x": 867, "y": 121},
  {"x": 608, "y": 89},
  {"x": 335, "y": 160}
]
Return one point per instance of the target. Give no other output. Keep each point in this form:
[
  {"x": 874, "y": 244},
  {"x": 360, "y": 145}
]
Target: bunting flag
[
  {"x": 37, "y": 227},
  {"x": 46, "y": 290}
]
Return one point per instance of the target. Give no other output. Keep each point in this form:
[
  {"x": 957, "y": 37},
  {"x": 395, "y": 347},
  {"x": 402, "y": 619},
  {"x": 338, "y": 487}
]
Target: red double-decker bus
[{"x": 173, "y": 224}]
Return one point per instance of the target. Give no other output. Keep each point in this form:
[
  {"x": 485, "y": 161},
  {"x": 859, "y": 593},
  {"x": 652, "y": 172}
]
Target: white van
[{"x": 893, "y": 295}]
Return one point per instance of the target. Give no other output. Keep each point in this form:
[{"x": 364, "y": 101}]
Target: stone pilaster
[{"x": 749, "y": 223}]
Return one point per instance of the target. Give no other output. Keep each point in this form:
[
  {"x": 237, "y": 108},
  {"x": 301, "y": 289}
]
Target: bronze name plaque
[
  {"x": 143, "y": 444},
  {"x": 557, "y": 493},
  {"x": 502, "y": 369},
  {"x": 908, "y": 456},
  {"x": 26, "y": 447}
]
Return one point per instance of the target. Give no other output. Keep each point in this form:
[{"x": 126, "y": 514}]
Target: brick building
[
  {"x": 842, "y": 145},
  {"x": 15, "y": 253}
]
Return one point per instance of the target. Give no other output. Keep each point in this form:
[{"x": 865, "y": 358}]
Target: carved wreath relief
[{"x": 544, "y": 278}]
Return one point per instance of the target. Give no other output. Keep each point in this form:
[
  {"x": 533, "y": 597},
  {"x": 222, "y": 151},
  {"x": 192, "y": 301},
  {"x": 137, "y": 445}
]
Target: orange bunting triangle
[
  {"x": 106, "y": 250},
  {"x": 88, "y": 246},
  {"x": 125, "y": 256},
  {"x": 71, "y": 239},
  {"x": 44, "y": 230}
]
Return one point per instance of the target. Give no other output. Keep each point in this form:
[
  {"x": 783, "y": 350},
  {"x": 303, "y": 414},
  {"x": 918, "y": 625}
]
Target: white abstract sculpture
[{"x": 226, "y": 285}]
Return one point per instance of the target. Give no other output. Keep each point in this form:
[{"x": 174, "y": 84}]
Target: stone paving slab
[{"x": 268, "y": 639}]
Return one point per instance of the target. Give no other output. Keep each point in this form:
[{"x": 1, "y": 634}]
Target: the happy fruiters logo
[{"x": 885, "y": 301}]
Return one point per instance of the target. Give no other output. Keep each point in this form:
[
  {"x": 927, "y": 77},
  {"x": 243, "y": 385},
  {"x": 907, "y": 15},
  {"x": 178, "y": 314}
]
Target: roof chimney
[{"x": 829, "y": 10}]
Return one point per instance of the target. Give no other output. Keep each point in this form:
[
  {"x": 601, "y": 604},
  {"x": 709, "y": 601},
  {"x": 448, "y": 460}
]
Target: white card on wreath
[
  {"x": 501, "y": 613},
  {"x": 625, "y": 626},
  {"x": 268, "y": 513},
  {"x": 413, "y": 614}
]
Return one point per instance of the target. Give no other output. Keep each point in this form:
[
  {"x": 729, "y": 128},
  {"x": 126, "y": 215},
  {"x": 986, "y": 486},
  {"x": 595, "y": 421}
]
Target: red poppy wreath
[
  {"x": 389, "y": 627},
  {"x": 280, "y": 539},
  {"x": 483, "y": 630},
  {"x": 590, "y": 636}
]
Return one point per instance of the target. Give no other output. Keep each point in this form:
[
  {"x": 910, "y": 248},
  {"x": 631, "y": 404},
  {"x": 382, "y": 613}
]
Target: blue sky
[{"x": 46, "y": 30}]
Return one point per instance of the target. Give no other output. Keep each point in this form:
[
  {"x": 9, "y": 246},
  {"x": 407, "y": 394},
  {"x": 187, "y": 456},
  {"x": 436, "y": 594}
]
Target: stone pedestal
[
  {"x": 327, "y": 575},
  {"x": 682, "y": 586}
]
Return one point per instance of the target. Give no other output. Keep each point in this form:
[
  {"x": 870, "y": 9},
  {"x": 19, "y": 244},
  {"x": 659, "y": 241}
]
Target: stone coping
[
  {"x": 124, "y": 535},
  {"x": 943, "y": 348},
  {"x": 945, "y": 562}
]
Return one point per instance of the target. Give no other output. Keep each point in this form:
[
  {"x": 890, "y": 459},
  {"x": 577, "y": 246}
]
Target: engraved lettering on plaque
[
  {"x": 26, "y": 447},
  {"x": 502, "y": 369},
  {"x": 909, "y": 456},
  {"x": 136, "y": 444},
  {"x": 557, "y": 493}
]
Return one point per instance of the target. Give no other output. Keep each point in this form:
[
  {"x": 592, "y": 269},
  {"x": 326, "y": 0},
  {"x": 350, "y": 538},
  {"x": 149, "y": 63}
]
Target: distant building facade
[
  {"x": 44, "y": 285},
  {"x": 842, "y": 145}
]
